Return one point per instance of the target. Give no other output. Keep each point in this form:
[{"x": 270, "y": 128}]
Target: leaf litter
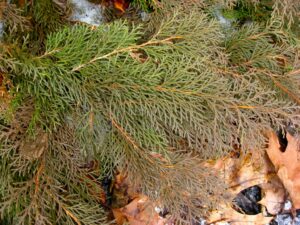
[{"x": 262, "y": 191}]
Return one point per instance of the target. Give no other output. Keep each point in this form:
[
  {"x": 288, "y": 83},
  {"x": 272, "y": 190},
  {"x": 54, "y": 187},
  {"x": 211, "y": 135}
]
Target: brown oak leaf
[{"x": 287, "y": 164}]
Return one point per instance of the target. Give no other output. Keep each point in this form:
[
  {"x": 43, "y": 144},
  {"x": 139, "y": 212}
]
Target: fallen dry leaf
[
  {"x": 4, "y": 93},
  {"x": 236, "y": 218},
  {"x": 140, "y": 211},
  {"x": 274, "y": 196},
  {"x": 121, "y": 5},
  {"x": 138, "y": 56},
  {"x": 241, "y": 173},
  {"x": 21, "y": 3},
  {"x": 5, "y": 96},
  {"x": 3, "y": 5},
  {"x": 287, "y": 164}
]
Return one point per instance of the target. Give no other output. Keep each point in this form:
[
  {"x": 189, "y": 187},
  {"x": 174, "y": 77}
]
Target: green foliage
[
  {"x": 28, "y": 24},
  {"x": 14, "y": 20},
  {"x": 145, "y": 4},
  {"x": 50, "y": 190},
  {"x": 260, "y": 12},
  {"x": 267, "y": 52},
  {"x": 152, "y": 103},
  {"x": 46, "y": 15}
]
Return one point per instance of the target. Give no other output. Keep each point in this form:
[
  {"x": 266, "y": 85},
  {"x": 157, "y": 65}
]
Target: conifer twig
[
  {"x": 48, "y": 53},
  {"x": 37, "y": 177},
  {"x": 130, "y": 48},
  {"x": 68, "y": 212},
  {"x": 278, "y": 84},
  {"x": 127, "y": 136},
  {"x": 124, "y": 133},
  {"x": 294, "y": 72},
  {"x": 286, "y": 90}
]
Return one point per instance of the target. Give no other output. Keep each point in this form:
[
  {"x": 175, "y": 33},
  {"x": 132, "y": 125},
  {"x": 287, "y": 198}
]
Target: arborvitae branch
[
  {"x": 105, "y": 94},
  {"x": 128, "y": 49}
]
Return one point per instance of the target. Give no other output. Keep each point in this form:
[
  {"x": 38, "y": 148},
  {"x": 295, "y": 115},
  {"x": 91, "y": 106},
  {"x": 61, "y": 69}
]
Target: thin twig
[
  {"x": 286, "y": 90},
  {"x": 37, "y": 176},
  {"x": 127, "y": 49},
  {"x": 123, "y": 133},
  {"x": 49, "y": 53},
  {"x": 68, "y": 212},
  {"x": 294, "y": 72}
]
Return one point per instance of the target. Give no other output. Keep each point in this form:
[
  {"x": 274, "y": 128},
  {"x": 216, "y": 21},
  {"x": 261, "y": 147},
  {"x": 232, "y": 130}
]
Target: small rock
[{"x": 246, "y": 201}]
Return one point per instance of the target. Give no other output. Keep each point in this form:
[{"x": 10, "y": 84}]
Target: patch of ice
[{"x": 87, "y": 12}]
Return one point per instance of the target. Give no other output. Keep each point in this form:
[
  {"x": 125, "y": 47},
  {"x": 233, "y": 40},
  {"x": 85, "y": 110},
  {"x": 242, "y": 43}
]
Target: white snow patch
[
  {"x": 87, "y": 12},
  {"x": 202, "y": 221},
  {"x": 145, "y": 16},
  {"x": 287, "y": 205},
  {"x": 222, "y": 20},
  {"x": 1, "y": 29},
  {"x": 157, "y": 209}
]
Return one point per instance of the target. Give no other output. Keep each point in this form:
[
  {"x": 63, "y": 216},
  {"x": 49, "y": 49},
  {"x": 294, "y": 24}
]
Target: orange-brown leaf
[
  {"x": 140, "y": 211},
  {"x": 121, "y": 5},
  {"x": 287, "y": 164},
  {"x": 235, "y": 218}
]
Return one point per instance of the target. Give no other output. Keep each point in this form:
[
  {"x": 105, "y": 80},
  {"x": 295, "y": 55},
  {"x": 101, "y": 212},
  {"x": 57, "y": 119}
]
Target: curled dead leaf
[
  {"x": 121, "y": 5},
  {"x": 287, "y": 164},
  {"x": 138, "y": 56},
  {"x": 235, "y": 218},
  {"x": 241, "y": 173},
  {"x": 274, "y": 196},
  {"x": 3, "y": 5},
  {"x": 140, "y": 211}
]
